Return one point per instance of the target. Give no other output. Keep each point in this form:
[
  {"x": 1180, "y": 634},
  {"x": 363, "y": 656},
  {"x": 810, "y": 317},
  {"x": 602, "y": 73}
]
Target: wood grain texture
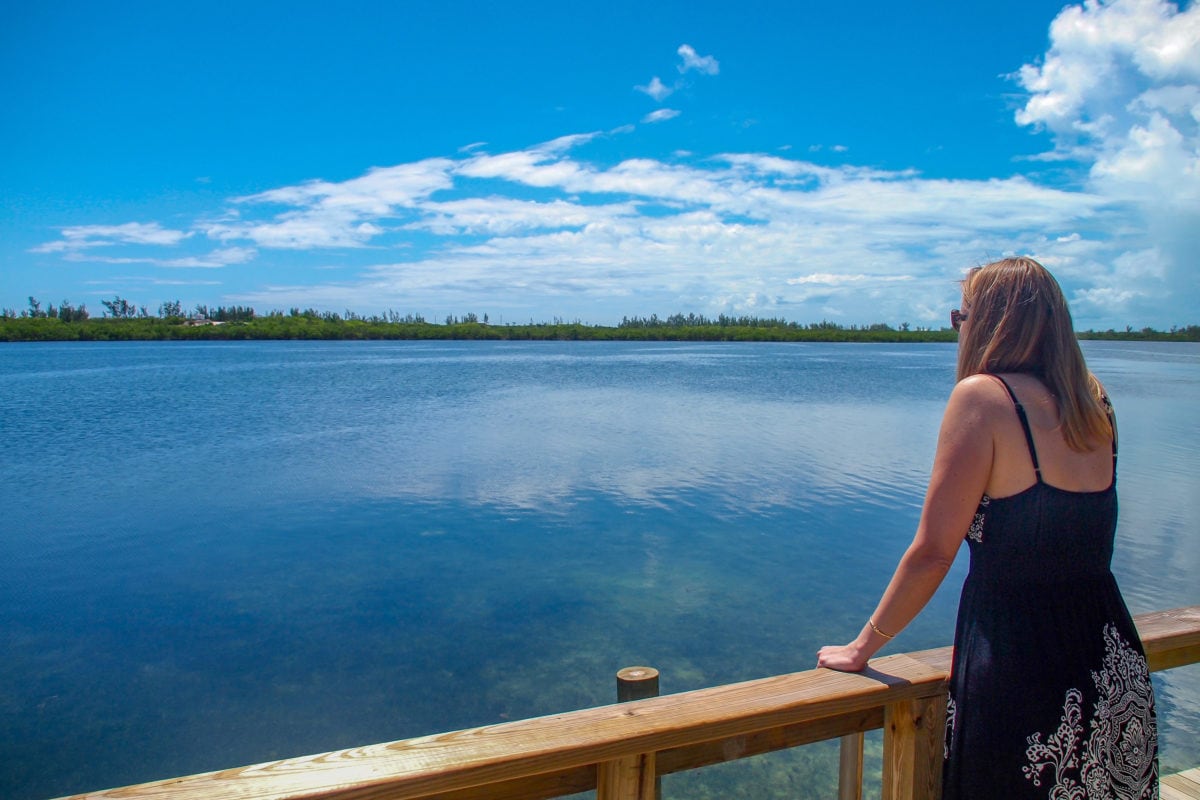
[
  {"x": 913, "y": 733},
  {"x": 850, "y": 767},
  {"x": 1171, "y": 638},
  {"x": 629, "y": 778},
  {"x": 1181, "y": 786}
]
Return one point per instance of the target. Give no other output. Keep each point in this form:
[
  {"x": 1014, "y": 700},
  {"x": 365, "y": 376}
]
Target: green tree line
[{"x": 122, "y": 320}]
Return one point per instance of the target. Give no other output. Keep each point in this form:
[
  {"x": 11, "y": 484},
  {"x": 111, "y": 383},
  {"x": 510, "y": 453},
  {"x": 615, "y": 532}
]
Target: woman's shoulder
[
  {"x": 982, "y": 389},
  {"x": 1006, "y": 388},
  {"x": 978, "y": 400}
]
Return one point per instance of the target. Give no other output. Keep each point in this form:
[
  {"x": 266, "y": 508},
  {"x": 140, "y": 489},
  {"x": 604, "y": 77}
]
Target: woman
[{"x": 1049, "y": 692}]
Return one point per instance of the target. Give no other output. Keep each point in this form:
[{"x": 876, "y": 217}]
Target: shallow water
[{"x": 223, "y": 553}]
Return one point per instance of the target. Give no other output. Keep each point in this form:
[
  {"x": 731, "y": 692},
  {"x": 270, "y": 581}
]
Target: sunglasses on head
[{"x": 957, "y": 318}]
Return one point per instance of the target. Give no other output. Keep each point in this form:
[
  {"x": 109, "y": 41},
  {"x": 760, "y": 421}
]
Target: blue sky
[{"x": 540, "y": 160}]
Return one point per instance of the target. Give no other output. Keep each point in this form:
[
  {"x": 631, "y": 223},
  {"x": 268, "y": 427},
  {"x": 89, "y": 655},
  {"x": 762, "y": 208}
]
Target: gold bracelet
[{"x": 871, "y": 622}]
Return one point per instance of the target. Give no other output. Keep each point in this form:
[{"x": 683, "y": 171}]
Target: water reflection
[{"x": 538, "y": 447}]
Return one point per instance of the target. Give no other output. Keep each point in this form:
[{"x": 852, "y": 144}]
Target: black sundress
[{"x": 1050, "y": 695}]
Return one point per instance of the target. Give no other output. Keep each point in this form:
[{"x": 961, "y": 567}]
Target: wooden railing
[{"x": 619, "y": 749}]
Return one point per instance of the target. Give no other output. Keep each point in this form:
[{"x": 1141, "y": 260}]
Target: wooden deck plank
[
  {"x": 1180, "y": 786},
  {"x": 1178, "y": 626}
]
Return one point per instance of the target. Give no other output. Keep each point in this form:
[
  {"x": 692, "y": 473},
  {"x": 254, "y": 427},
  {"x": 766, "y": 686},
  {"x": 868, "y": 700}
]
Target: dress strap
[
  {"x": 1112, "y": 422},
  {"x": 1037, "y": 470}
]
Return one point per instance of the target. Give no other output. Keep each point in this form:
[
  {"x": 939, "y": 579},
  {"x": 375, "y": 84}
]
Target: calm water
[{"x": 216, "y": 554}]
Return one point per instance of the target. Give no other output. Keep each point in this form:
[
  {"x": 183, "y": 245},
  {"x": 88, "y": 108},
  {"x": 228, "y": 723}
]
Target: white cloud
[
  {"x": 531, "y": 167},
  {"x": 161, "y": 282},
  {"x": 1145, "y": 264},
  {"x": 1119, "y": 91},
  {"x": 661, "y": 115},
  {"x": 660, "y": 91},
  {"x": 656, "y": 89},
  {"x": 81, "y": 237},
  {"x": 299, "y": 230},
  {"x": 1153, "y": 157},
  {"x": 741, "y": 231},
  {"x": 377, "y": 192},
  {"x": 832, "y": 279},
  {"x": 222, "y": 257},
  {"x": 498, "y": 215},
  {"x": 692, "y": 60},
  {"x": 1106, "y": 298},
  {"x": 325, "y": 214}
]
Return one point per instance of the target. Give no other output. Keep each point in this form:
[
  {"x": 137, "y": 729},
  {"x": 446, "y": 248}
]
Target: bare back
[{"x": 1061, "y": 467}]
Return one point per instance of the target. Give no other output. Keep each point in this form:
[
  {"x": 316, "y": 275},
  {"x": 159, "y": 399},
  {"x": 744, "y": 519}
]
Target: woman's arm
[{"x": 961, "y": 467}]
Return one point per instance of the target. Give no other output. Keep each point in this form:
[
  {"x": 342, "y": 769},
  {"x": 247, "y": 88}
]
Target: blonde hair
[{"x": 1018, "y": 321}]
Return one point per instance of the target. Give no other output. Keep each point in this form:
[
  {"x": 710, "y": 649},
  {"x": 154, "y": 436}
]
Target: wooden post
[
  {"x": 629, "y": 778},
  {"x": 850, "y": 768},
  {"x": 913, "y": 736},
  {"x": 634, "y": 777},
  {"x": 636, "y": 683}
]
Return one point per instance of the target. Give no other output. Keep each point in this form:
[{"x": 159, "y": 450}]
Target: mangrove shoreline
[{"x": 327, "y": 326}]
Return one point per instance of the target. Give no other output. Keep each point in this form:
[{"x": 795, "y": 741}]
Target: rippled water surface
[{"x": 223, "y": 553}]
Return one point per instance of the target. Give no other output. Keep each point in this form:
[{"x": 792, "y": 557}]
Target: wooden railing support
[
  {"x": 850, "y": 767},
  {"x": 633, "y": 683},
  {"x": 629, "y": 778},
  {"x": 913, "y": 740}
]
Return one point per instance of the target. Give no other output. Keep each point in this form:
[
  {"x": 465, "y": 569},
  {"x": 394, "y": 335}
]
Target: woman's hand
[{"x": 845, "y": 658}]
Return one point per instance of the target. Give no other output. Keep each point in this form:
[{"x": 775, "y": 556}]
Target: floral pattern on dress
[
  {"x": 975, "y": 534},
  {"x": 951, "y": 718},
  {"x": 1117, "y": 762}
]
